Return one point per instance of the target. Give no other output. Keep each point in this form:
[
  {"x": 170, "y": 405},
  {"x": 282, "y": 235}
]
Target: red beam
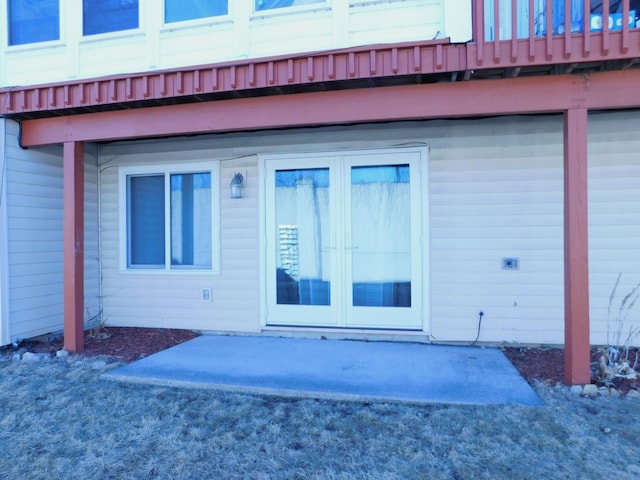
[
  {"x": 73, "y": 160},
  {"x": 576, "y": 250},
  {"x": 442, "y": 100}
]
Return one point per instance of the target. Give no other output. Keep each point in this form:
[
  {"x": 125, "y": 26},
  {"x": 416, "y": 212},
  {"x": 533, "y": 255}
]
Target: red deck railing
[{"x": 538, "y": 32}]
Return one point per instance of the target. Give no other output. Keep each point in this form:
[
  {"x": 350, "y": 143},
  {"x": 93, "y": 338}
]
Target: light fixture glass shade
[{"x": 236, "y": 185}]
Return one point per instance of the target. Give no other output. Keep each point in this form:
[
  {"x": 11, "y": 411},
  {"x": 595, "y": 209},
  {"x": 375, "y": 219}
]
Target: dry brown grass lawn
[{"x": 59, "y": 420}]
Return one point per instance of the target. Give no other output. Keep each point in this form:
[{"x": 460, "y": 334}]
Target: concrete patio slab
[{"x": 336, "y": 369}]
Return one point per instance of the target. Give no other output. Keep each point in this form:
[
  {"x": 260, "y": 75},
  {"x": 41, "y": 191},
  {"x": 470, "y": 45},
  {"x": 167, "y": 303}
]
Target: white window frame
[{"x": 167, "y": 170}]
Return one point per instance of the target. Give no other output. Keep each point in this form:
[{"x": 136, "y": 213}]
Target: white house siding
[
  {"x": 241, "y": 34},
  {"x": 172, "y": 299},
  {"x": 614, "y": 221},
  {"x": 495, "y": 191},
  {"x": 35, "y": 241},
  {"x": 92, "y": 302}
]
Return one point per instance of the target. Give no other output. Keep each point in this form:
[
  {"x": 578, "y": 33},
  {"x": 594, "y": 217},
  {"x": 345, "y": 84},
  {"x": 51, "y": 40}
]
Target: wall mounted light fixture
[{"x": 237, "y": 182}]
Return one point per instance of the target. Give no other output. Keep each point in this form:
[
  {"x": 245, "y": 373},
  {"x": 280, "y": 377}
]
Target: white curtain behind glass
[
  {"x": 381, "y": 232},
  {"x": 191, "y": 242}
]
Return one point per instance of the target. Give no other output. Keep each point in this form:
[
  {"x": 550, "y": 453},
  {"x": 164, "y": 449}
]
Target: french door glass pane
[
  {"x": 180, "y": 10},
  {"x": 302, "y": 237},
  {"x": 145, "y": 220},
  {"x": 191, "y": 220},
  {"x": 381, "y": 236},
  {"x": 31, "y": 22}
]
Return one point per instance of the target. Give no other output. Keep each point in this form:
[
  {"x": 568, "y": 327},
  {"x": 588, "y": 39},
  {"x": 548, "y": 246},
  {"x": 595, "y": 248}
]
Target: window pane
[
  {"x": 180, "y": 10},
  {"x": 303, "y": 252},
  {"x": 31, "y": 22},
  {"x": 102, "y": 16},
  {"x": 271, "y": 4},
  {"x": 191, "y": 220},
  {"x": 381, "y": 235},
  {"x": 145, "y": 220}
]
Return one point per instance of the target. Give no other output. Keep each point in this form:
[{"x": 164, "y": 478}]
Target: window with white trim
[{"x": 170, "y": 217}]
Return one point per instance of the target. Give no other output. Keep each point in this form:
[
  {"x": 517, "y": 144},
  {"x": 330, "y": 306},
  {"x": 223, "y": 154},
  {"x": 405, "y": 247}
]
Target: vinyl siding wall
[
  {"x": 495, "y": 191},
  {"x": 35, "y": 249},
  {"x": 614, "y": 220},
  {"x": 174, "y": 299}
]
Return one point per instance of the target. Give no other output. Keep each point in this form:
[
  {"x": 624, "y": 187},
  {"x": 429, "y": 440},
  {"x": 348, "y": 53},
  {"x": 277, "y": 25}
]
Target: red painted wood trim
[
  {"x": 8, "y": 101},
  {"x": 567, "y": 27},
  {"x": 625, "y": 27},
  {"x": 549, "y": 30},
  {"x": 197, "y": 81},
  {"x": 496, "y": 32},
  {"x": 532, "y": 32},
  {"x": 576, "y": 251},
  {"x": 514, "y": 30},
  {"x": 587, "y": 27},
  {"x": 214, "y": 79},
  {"x": 477, "y": 15},
  {"x": 605, "y": 27},
  {"x": 73, "y": 226},
  {"x": 440, "y": 100},
  {"x": 271, "y": 79},
  {"x": 252, "y": 75},
  {"x": 417, "y": 58}
]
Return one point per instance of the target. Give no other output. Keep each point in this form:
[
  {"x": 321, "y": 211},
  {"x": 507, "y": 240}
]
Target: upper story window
[
  {"x": 181, "y": 10},
  {"x": 33, "y": 21},
  {"x": 271, "y": 4},
  {"x": 103, "y": 16}
]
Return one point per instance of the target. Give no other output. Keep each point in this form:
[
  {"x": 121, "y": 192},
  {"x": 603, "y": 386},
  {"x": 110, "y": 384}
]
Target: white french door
[{"x": 344, "y": 239}]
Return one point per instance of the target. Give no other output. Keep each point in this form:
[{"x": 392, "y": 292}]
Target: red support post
[
  {"x": 577, "y": 357},
  {"x": 73, "y": 160}
]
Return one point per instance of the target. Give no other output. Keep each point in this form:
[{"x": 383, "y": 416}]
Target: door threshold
[{"x": 379, "y": 335}]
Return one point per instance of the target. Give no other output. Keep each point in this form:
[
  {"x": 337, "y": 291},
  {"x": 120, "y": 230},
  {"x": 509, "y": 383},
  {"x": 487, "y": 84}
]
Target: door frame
[{"x": 423, "y": 236}]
